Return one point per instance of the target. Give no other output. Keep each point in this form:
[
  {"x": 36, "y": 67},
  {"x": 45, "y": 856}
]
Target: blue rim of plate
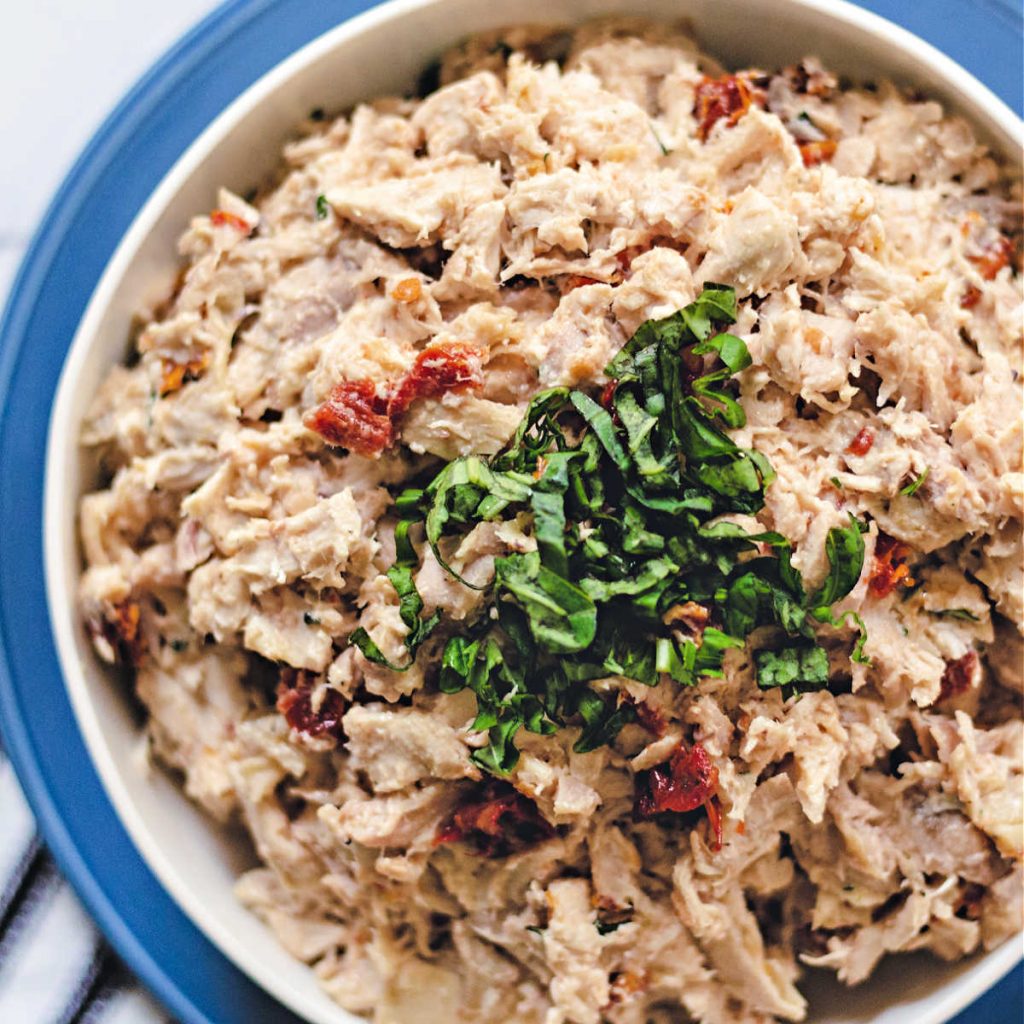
[{"x": 138, "y": 143}]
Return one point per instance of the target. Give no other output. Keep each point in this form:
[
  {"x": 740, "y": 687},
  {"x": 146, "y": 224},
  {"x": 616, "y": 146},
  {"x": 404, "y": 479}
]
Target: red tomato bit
[
  {"x": 498, "y": 822},
  {"x": 861, "y": 443},
  {"x": 360, "y": 415},
  {"x": 814, "y": 153},
  {"x": 729, "y": 97},
  {"x": 958, "y": 675},
  {"x": 889, "y": 571},
  {"x": 993, "y": 257},
  {"x": 121, "y": 633},
  {"x": 438, "y": 369},
  {"x": 686, "y": 781},
  {"x": 175, "y": 375},
  {"x": 295, "y": 702},
  {"x": 970, "y": 298},
  {"x": 354, "y": 416},
  {"x": 219, "y": 218}
]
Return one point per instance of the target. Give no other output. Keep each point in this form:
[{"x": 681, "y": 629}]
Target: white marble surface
[{"x": 63, "y": 66}]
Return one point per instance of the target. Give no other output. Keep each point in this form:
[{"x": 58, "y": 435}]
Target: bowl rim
[{"x": 956, "y": 994}]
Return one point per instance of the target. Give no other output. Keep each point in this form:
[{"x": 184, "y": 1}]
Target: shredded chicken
[{"x": 420, "y": 269}]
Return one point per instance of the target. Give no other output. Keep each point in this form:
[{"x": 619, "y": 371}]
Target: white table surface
[{"x": 63, "y": 66}]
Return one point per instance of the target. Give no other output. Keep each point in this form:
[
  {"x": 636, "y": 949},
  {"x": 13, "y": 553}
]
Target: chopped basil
[
  {"x": 625, "y": 499},
  {"x": 410, "y": 605},
  {"x": 800, "y": 667},
  {"x": 844, "y": 548},
  {"x": 657, "y": 138},
  {"x": 915, "y": 485},
  {"x": 322, "y": 207},
  {"x": 178, "y": 645}
]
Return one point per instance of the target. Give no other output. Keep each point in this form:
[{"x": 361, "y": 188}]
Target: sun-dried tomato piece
[
  {"x": 993, "y": 257},
  {"x": 814, "y": 153},
  {"x": 295, "y": 702},
  {"x": 574, "y": 281},
  {"x": 176, "y": 374},
  {"x": 219, "y": 218},
  {"x": 360, "y": 415},
  {"x": 861, "y": 443},
  {"x": 497, "y": 821},
  {"x": 438, "y": 369},
  {"x": 354, "y": 416},
  {"x": 970, "y": 298},
  {"x": 959, "y": 674},
  {"x": 728, "y": 97},
  {"x": 889, "y": 570},
  {"x": 685, "y": 782}
]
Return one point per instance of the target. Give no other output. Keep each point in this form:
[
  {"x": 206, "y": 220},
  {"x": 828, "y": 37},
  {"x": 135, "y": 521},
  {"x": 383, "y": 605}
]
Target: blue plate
[{"x": 129, "y": 155}]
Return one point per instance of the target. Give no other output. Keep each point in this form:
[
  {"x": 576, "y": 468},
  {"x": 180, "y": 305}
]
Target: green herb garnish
[
  {"x": 956, "y": 613},
  {"x": 665, "y": 151},
  {"x": 915, "y": 485},
  {"x": 322, "y": 207},
  {"x": 626, "y": 500},
  {"x": 410, "y": 605},
  {"x": 803, "y": 666}
]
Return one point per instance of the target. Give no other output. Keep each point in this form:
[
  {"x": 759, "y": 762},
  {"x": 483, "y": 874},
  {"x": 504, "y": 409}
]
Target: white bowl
[{"x": 381, "y": 52}]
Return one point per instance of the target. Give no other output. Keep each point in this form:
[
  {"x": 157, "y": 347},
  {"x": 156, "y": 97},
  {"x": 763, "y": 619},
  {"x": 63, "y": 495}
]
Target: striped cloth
[{"x": 55, "y": 967}]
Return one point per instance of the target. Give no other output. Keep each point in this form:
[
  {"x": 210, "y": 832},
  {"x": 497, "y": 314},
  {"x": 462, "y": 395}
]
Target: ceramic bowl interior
[{"x": 382, "y": 52}]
